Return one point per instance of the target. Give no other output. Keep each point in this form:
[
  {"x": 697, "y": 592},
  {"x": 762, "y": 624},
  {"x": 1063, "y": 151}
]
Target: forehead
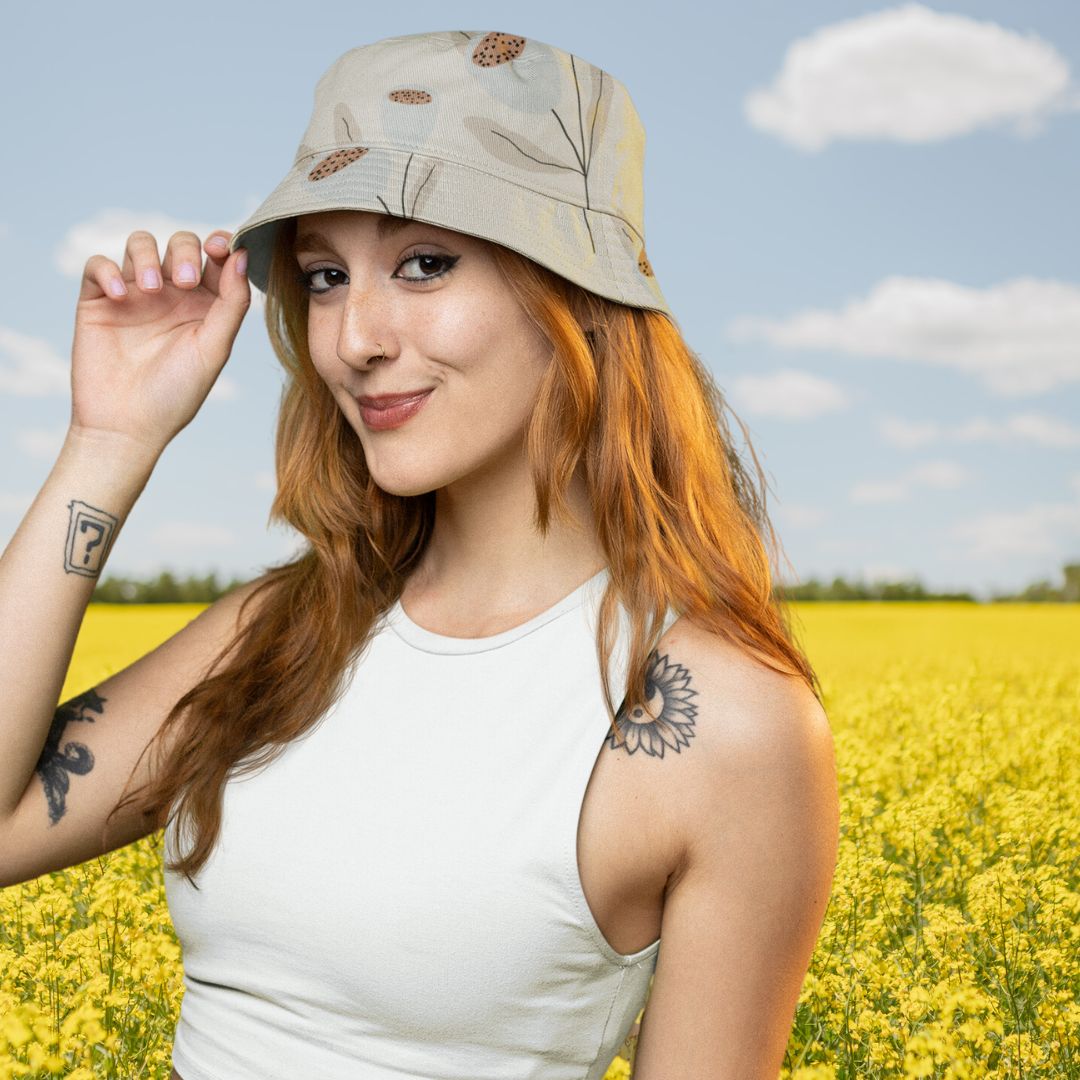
[{"x": 323, "y": 229}]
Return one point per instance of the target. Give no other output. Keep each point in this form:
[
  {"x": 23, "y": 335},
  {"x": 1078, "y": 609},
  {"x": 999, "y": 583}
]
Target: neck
[{"x": 486, "y": 556}]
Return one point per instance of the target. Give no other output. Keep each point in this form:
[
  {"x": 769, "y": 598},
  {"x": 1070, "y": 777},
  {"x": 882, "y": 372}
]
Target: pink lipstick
[{"x": 391, "y": 410}]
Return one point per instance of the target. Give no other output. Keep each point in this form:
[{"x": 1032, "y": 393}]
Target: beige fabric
[{"x": 486, "y": 133}]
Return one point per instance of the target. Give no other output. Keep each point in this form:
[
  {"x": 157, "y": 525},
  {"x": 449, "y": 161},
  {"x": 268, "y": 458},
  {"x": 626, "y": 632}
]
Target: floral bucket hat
[{"x": 494, "y": 135}]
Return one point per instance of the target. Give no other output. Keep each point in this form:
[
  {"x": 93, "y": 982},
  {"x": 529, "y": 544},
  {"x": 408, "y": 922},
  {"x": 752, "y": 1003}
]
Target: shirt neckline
[{"x": 421, "y": 638}]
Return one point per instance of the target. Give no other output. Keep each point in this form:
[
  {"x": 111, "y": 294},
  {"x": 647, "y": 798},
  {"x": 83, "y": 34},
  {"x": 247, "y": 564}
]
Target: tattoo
[
  {"x": 667, "y": 687},
  {"x": 54, "y": 764},
  {"x": 90, "y": 533}
]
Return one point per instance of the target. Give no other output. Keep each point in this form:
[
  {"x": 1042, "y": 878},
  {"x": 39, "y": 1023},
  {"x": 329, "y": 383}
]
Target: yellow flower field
[{"x": 951, "y": 945}]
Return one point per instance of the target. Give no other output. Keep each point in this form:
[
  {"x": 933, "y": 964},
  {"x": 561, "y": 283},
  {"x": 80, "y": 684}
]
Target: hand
[{"x": 143, "y": 363}]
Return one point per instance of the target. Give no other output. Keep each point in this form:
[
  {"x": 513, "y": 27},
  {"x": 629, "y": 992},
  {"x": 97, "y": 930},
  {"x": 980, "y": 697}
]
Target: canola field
[{"x": 951, "y": 944}]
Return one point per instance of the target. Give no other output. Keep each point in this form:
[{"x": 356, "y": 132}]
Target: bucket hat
[{"x": 495, "y": 135}]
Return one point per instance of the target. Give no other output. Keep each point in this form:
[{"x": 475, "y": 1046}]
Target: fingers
[
  {"x": 217, "y": 251},
  {"x": 144, "y": 272},
  {"x": 182, "y": 264},
  {"x": 222, "y": 321},
  {"x": 141, "y": 264},
  {"x": 102, "y": 277}
]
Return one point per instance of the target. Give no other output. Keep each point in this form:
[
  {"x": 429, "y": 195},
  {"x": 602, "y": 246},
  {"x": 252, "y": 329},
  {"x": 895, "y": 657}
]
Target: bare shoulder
[
  {"x": 740, "y": 728},
  {"x": 757, "y": 819}
]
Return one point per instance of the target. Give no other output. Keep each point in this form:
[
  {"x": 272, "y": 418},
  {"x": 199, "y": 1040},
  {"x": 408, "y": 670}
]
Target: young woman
[{"x": 522, "y": 739}]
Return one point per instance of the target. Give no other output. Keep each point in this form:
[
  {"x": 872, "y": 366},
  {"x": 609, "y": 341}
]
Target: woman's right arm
[{"x": 142, "y": 364}]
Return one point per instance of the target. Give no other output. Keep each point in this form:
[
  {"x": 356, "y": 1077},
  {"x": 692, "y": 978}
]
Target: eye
[
  {"x": 425, "y": 259},
  {"x": 304, "y": 278}
]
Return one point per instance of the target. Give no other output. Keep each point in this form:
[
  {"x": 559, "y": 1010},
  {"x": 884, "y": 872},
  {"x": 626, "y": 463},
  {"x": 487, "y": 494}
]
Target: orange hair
[{"x": 676, "y": 513}]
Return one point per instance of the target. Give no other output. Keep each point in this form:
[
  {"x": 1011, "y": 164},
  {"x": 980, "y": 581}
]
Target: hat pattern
[
  {"x": 564, "y": 151},
  {"x": 484, "y": 132}
]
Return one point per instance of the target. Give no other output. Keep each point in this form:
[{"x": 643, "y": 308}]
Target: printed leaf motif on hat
[
  {"x": 579, "y": 131},
  {"x": 513, "y": 148},
  {"x": 410, "y": 97},
  {"x": 336, "y": 161},
  {"x": 346, "y": 127},
  {"x": 495, "y": 48},
  {"x": 424, "y": 188},
  {"x": 643, "y": 263}
]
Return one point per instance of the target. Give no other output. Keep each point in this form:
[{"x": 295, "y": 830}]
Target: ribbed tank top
[{"x": 397, "y": 896}]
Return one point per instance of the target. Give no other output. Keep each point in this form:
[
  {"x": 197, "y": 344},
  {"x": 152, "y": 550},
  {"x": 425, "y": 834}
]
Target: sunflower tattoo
[{"x": 668, "y": 693}]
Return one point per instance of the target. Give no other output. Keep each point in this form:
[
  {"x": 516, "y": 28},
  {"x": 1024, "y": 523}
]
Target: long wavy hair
[{"x": 678, "y": 515}]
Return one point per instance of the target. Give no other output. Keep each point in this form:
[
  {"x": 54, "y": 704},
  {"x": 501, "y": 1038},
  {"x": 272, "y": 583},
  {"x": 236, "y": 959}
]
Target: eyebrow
[{"x": 314, "y": 240}]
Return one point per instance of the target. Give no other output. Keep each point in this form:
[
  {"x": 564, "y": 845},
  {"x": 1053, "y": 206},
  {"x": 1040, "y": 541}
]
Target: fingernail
[
  {"x": 117, "y": 287},
  {"x": 150, "y": 279},
  {"x": 187, "y": 272},
  {"x": 241, "y": 261},
  {"x": 217, "y": 242}
]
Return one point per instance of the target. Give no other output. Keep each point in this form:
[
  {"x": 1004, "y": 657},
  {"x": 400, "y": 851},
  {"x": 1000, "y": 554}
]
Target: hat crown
[{"x": 507, "y": 105}]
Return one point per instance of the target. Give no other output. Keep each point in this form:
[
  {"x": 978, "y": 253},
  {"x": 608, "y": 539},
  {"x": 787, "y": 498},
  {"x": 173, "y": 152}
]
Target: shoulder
[
  {"x": 757, "y": 808},
  {"x": 761, "y": 742}
]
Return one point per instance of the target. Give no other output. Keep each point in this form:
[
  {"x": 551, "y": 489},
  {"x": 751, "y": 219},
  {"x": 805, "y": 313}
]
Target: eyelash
[{"x": 304, "y": 277}]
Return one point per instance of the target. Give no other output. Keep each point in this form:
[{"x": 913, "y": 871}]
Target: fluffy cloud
[
  {"x": 31, "y": 367},
  {"x": 787, "y": 393},
  {"x": 1039, "y": 429},
  {"x": 914, "y": 75},
  {"x": 942, "y": 475},
  {"x": 1018, "y": 338}
]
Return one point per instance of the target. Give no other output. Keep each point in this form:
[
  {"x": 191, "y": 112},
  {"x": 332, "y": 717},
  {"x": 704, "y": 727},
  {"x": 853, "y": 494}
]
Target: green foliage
[
  {"x": 842, "y": 589},
  {"x": 164, "y": 589}
]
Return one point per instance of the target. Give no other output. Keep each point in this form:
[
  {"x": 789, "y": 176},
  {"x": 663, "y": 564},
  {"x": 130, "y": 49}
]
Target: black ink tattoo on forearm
[
  {"x": 90, "y": 535},
  {"x": 55, "y": 764},
  {"x": 668, "y": 694}
]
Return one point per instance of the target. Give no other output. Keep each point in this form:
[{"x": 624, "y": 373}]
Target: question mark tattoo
[{"x": 89, "y": 539}]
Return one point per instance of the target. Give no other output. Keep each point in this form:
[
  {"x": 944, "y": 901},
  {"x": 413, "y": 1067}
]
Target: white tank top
[{"x": 397, "y": 896}]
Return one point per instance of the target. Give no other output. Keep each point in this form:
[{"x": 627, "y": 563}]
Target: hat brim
[{"x": 439, "y": 192}]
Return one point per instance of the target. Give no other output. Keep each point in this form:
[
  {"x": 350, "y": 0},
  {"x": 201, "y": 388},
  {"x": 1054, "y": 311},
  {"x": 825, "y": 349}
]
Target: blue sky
[{"x": 863, "y": 215}]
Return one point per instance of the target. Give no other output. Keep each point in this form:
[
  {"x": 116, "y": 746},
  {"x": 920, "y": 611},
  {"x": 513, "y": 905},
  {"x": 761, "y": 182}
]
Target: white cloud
[
  {"x": 788, "y": 393},
  {"x": 1051, "y": 529},
  {"x": 799, "y": 515},
  {"x": 186, "y": 535},
  {"x": 886, "y": 491},
  {"x": 1023, "y": 427},
  {"x": 1041, "y": 429},
  {"x": 908, "y": 434},
  {"x": 107, "y": 234},
  {"x": 914, "y": 75},
  {"x": 31, "y": 367},
  {"x": 224, "y": 389},
  {"x": 44, "y": 443},
  {"x": 944, "y": 475},
  {"x": 941, "y": 474},
  {"x": 1019, "y": 338}
]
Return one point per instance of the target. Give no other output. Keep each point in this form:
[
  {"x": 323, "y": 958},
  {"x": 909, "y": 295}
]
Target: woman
[{"x": 426, "y": 842}]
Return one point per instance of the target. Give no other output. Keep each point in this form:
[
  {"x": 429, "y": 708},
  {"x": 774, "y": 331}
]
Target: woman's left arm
[{"x": 742, "y": 918}]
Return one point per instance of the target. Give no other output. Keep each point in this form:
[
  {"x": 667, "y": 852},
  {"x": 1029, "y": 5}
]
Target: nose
[{"x": 365, "y": 334}]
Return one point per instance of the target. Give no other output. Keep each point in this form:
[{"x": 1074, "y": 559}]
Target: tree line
[{"x": 167, "y": 588}]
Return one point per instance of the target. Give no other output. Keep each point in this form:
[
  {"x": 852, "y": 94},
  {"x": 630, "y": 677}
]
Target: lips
[{"x": 384, "y": 401}]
